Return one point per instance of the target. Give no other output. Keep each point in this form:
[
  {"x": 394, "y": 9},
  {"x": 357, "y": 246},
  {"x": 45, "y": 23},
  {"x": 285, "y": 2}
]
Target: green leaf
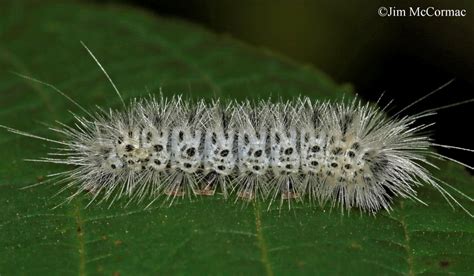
[{"x": 143, "y": 52}]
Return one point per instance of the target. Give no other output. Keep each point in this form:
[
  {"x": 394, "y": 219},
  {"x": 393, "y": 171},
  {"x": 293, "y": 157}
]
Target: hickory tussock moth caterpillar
[{"x": 348, "y": 154}]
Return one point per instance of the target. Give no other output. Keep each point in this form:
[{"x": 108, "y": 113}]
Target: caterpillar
[{"x": 347, "y": 154}]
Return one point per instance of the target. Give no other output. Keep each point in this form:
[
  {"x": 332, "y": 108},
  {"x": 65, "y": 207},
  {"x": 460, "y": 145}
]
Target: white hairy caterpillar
[{"x": 346, "y": 154}]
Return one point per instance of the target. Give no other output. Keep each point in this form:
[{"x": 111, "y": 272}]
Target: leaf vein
[{"x": 261, "y": 241}]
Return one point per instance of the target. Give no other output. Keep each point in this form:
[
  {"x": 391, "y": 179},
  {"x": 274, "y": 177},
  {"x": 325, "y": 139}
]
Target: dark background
[{"x": 404, "y": 57}]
